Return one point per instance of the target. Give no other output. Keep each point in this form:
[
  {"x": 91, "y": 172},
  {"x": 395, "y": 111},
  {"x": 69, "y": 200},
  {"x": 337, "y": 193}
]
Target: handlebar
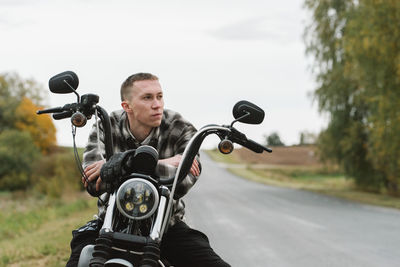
[
  {"x": 86, "y": 108},
  {"x": 68, "y": 107},
  {"x": 62, "y": 115},
  {"x": 194, "y": 145}
]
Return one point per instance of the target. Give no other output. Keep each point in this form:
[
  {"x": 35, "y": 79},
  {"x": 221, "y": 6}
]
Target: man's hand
[
  {"x": 92, "y": 172},
  {"x": 175, "y": 160}
]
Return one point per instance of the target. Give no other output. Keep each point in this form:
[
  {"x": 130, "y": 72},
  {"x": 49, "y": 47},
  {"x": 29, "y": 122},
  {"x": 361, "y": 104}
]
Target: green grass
[
  {"x": 71, "y": 149},
  {"x": 24, "y": 216},
  {"x": 217, "y": 156},
  {"x": 317, "y": 179},
  {"x": 293, "y": 178},
  {"x": 36, "y": 225},
  {"x": 37, "y": 231}
]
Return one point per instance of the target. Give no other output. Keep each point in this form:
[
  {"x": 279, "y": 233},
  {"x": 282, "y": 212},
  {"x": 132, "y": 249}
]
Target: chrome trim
[
  {"x": 128, "y": 251},
  {"x": 118, "y": 262},
  {"x": 156, "y": 199},
  {"x": 107, "y": 225},
  {"x": 155, "y": 232}
]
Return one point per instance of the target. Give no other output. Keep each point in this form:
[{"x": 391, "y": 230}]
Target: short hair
[{"x": 126, "y": 91}]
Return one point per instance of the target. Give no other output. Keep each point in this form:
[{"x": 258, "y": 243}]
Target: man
[{"x": 143, "y": 121}]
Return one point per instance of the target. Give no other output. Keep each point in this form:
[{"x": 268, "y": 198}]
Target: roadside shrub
[
  {"x": 55, "y": 174},
  {"x": 18, "y": 154}
]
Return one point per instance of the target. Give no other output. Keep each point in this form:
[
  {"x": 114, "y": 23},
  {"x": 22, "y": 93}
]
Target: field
[
  {"x": 298, "y": 167},
  {"x": 285, "y": 156},
  {"x": 36, "y": 231}
]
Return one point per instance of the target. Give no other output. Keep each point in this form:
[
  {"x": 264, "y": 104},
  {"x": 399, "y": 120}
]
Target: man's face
[{"x": 146, "y": 104}]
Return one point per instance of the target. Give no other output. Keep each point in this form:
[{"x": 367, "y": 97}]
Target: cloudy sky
[{"x": 208, "y": 55}]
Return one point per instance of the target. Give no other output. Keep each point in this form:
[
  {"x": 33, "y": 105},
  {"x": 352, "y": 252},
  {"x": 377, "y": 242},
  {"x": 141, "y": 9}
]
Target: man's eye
[
  {"x": 147, "y": 97},
  {"x": 159, "y": 97}
]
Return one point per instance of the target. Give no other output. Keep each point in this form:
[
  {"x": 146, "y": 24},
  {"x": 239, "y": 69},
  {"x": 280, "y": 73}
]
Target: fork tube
[
  {"x": 155, "y": 233},
  {"x": 107, "y": 226}
]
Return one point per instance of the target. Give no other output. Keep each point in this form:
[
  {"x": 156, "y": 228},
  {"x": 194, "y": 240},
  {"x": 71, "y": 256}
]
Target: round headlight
[{"x": 137, "y": 199}]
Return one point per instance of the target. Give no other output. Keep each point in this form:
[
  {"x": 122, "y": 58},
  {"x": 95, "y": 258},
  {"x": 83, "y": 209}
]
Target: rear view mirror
[
  {"x": 247, "y": 112},
  {"x": 62, "y": 83}
]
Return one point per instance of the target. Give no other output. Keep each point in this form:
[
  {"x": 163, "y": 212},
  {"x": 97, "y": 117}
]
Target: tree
[
  {"x": 23, "y": 134},
  {"x": 20, "y": 99},
  {"x": 356, "y": 46},
  {"x": 274, "y": 140},
  {"x": 40, "y": 127},
  {"x": 374, "y": 49},
  {"x": 12, "y": 90}
]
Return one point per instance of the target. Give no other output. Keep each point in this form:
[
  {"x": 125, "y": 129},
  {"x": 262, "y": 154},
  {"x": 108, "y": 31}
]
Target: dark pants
[
  {"x": 82, "y": 237},
  {"x": 186, "y": 247},
  {"x": 181, "y": 246}
]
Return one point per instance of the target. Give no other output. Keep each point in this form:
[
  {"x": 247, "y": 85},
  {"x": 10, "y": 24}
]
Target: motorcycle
[{"x": 140, "y": 204}]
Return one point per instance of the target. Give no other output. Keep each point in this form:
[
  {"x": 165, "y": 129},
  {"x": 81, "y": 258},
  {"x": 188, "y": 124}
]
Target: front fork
[
  {"x": 155, "y": 232},
  {"x": 107, "y": 225}
]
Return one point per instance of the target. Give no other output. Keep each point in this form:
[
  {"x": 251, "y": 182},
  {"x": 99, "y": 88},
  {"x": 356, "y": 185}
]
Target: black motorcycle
[{"x": 139, "y": 204}]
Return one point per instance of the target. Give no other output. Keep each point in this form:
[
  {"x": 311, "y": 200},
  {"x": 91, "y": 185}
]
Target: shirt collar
[{"x": 151, "y": 139}]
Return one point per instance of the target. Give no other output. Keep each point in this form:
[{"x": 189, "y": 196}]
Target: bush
[
  {"x": 274, "y": 140},
  {"x": 17, "y": 156},
  {"x": 55, "y": 174}
]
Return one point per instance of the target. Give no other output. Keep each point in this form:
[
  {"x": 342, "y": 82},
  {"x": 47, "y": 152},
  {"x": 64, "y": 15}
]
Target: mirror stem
[
  {"x": 73, "y": 90},
  {"x": 244, "y": 116}
]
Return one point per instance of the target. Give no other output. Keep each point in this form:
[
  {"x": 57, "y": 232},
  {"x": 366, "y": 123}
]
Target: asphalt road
[{"x": 250, "y": 224}]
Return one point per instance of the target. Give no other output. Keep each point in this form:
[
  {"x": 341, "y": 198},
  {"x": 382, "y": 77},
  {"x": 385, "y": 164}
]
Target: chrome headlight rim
[{"x": 154, "y": 191}]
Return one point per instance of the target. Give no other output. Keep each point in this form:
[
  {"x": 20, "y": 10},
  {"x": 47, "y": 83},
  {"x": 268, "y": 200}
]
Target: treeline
[
  {"x": 356, "y": 47},
  {"x": 29, "y": 157}
]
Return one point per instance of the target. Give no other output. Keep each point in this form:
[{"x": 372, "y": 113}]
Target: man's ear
[{"x": 125, "y": 105}]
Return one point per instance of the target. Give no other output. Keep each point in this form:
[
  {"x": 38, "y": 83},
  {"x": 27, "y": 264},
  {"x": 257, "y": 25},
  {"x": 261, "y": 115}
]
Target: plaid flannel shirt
[{"x": 169, "y": 139}]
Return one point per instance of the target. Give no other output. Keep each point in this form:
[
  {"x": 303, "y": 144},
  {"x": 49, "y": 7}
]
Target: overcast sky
[{"x": 207, "y": 54}]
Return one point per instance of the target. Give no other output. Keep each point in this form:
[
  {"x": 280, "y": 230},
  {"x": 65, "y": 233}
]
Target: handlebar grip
[
  {"x": 253, "y": 146},
  {"x": 241, "y": 139},
  {"x": 62, "y": 115},
  {"x": 50, "y": 110},
  {"x": 256, "y": 147}
]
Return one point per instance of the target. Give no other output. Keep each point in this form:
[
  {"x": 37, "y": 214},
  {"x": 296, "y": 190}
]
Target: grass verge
[
  {"x": 37, "y": 231},
  {"x": 312, "y": 178}
]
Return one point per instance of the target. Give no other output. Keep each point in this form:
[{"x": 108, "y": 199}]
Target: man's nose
[{"x": 156, "y": 103}]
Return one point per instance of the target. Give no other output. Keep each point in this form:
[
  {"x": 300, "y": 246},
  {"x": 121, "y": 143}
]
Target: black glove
[{"x": 114, "y": 169}]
